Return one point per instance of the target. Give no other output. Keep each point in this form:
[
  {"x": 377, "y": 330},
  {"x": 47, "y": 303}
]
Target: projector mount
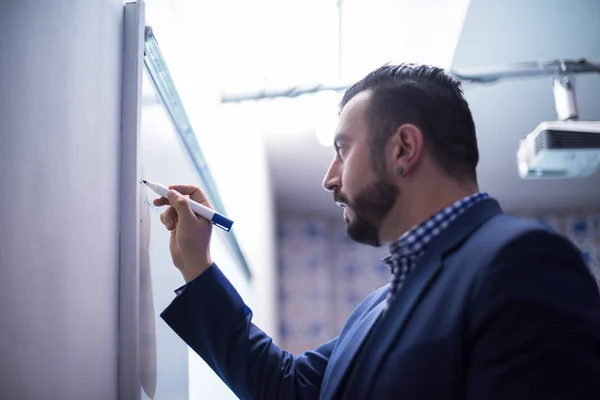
[{"x": 561, "y": 71}]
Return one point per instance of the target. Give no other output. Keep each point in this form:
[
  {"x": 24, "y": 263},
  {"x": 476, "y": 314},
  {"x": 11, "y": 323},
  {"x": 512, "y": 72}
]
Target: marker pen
[{"x": 203, "y": 211}]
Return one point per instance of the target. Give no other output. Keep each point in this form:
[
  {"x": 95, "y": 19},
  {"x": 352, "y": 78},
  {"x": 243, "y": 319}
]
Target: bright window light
[{"x": 326, "y": 106}]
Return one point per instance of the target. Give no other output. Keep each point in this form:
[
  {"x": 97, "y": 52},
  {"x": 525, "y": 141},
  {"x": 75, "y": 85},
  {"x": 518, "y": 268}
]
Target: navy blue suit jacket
[{"x": 498, "y": 308}]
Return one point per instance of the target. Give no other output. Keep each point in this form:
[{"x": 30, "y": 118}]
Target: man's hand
[{"x": 190, "y": 234}]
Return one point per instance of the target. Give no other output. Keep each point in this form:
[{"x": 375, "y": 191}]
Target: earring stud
[{"x": 399, "y": 169}]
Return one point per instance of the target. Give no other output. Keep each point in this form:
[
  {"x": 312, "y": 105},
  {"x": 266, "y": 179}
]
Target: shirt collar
[{"x": 416, "y": 239}]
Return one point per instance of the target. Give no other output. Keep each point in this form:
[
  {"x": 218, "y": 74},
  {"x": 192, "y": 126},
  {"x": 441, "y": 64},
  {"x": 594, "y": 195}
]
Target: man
[{"x": 481, "y": 305}]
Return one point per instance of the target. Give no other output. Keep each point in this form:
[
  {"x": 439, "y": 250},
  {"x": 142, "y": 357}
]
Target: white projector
[{"x": 560, "y": 149}]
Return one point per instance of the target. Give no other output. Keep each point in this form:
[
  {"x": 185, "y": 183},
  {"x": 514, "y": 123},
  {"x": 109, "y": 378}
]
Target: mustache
[{"x": 339, "y": 197}]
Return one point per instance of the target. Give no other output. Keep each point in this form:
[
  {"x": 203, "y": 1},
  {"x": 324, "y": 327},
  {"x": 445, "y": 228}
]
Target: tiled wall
[
  {"x": 323, "y": 275},
  {"x": 584, "y": 230}
]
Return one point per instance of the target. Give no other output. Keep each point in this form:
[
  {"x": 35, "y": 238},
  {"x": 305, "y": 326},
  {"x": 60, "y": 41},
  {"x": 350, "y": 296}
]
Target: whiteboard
[{"x": 167, "y": 368}]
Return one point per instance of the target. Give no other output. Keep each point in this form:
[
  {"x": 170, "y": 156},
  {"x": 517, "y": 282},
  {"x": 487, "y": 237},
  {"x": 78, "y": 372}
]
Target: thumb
[{"x": 181, "y": 205}]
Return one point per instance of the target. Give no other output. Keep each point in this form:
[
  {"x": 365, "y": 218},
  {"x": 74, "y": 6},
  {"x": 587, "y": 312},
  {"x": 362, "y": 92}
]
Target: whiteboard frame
[{"x": 129, "y": 386}]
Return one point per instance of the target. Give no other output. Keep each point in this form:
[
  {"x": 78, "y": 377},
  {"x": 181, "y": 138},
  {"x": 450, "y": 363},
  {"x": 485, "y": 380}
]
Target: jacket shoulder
[
  {"x": 503, "y": 230},
  {"x": 499, "y": 235}
]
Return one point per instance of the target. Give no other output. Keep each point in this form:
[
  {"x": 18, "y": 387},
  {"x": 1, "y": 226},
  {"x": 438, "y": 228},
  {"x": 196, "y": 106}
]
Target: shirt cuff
[{"x": 180, "y": 289}]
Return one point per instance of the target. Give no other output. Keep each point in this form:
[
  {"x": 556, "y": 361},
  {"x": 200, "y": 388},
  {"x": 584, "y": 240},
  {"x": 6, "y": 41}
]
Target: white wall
[
  {"x": 60, "y": 94},
  {"x": 379, "y": 31},
  {"x": 511, "y": 31}
]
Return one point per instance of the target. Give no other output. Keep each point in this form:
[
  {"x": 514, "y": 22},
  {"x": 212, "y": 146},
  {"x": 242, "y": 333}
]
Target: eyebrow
[{"x": 340, "y": 137}]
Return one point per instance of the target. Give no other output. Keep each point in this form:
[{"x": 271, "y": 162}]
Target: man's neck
[{"x": 417, "y": 206}]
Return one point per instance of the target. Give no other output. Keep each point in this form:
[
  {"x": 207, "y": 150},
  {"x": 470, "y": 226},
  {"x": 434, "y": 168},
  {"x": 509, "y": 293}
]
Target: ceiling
[{"x": 493, "y": 33}]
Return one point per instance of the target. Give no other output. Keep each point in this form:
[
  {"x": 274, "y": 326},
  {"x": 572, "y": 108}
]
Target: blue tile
[
  {"x": 281, "y": 233},
  {"x": 350, "y": 270},
  {"x": 314, "y": 232},
  {"x": 586, "y": 256},
  {"x": 580, "y": 226},
  {"x": 316, "y": 294},
  {"x": 314, "y": 262},
  {"x": 285, "y": 331},
  {"x": 283, "y": 295},
  {"x": 282, "y": 265},
  {"x": 546, "y": 224},
  {"x": 315, "y": 330},
  {"x": 353, "y": 298},
  {"x": 384, "y": 270}
]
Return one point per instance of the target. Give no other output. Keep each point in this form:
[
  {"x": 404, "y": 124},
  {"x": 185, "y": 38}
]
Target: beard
[{"x": 370, "y": 206}]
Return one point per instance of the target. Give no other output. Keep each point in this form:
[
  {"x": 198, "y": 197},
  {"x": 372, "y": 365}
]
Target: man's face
[{"x": 366, "y": 195}]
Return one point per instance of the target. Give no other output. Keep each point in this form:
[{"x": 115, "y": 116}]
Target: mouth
[{"x": 342, "y": 205}]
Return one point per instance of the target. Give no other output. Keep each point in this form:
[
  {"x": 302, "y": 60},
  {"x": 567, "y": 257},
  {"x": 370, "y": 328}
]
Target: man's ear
[{"x": 407, "y": 147}]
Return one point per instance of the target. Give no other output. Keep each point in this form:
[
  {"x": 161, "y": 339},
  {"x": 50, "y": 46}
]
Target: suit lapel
[
  {"x": 394, "y": 321},
  {"x": 423, "y": 277},
  {"x": 346, "y": 352}
]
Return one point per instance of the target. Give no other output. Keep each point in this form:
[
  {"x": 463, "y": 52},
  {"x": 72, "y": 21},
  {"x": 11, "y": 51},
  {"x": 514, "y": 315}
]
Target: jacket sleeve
[
  {"x": 535, "y": 324},
  {"x": 211, "y": 317}
]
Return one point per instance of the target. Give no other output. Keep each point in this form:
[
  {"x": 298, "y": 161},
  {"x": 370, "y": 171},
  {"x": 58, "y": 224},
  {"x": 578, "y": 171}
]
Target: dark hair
[{"x": 430, "y": 99}]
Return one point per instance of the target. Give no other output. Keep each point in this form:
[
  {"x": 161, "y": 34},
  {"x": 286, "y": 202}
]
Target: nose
[{"x": 332, "y": 180}]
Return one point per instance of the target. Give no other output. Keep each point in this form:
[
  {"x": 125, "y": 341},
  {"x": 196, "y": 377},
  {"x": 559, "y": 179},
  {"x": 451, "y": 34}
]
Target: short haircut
[{"x": 429, "y": 98}]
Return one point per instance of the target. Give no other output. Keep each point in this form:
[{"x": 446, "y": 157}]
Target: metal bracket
[
  {"x": 564, "y": 97},
  {"x": 473, "y": 76}
]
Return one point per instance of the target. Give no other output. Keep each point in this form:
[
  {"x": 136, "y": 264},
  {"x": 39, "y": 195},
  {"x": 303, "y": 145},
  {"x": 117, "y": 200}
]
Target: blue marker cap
[{"x": 222, "y": 222}]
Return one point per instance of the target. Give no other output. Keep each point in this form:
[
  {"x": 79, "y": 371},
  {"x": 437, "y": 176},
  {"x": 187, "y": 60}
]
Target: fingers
[
  {"x": 161, "y": 201},
  {"x": 185, "y": 215},
  {"x": 169, "y": 218},
  {"x": 194, "y": 192},
  {"x": 180, "y": 211}
]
